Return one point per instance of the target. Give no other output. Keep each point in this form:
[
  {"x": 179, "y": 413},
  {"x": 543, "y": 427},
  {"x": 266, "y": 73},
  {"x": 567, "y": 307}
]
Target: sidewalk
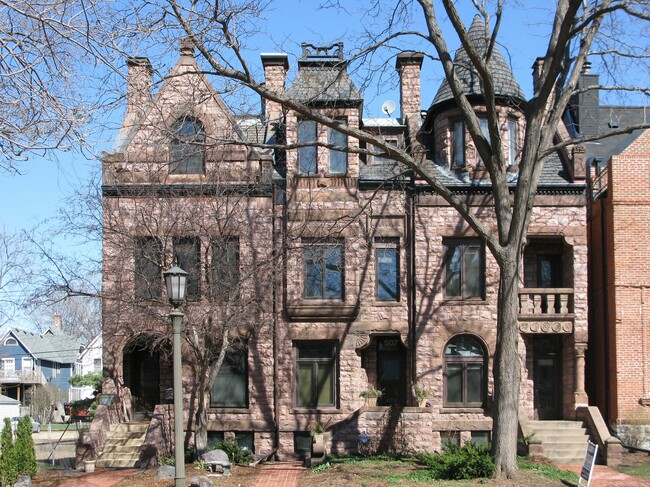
[{"x": 603, "y": 476}]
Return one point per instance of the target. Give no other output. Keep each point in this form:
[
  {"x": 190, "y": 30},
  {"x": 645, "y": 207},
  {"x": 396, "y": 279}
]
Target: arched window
[
  {"x": 187, "y": 146},
  {"x": 11, "y": 341},
  {"x": 464, "y": 372}
]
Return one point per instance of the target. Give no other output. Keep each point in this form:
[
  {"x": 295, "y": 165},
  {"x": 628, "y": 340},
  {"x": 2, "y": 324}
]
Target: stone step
[
  {"x": 110, "y": 463},
  {"x": 564, "y": 442},
  {"x": 130, "y": 427},
  {"x": 121, "y": 449},
  {"x": 556, "y": 425},
  {"x": 123, "y": 442}
]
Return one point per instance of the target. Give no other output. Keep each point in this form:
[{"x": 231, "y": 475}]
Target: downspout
[
  {"x": 603, "y": 243},
  {"x": 410, "y": 278},
  {"x": 274, "y": 253}
]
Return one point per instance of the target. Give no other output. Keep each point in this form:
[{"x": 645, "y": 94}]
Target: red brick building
[
  {"x": 342, "y": 270},
  {"x": 619, "y": 215}
]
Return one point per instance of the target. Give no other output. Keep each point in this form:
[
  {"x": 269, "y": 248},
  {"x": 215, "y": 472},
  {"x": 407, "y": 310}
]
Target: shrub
[
  {"x": 459, "y": 463},
  {"x": 8, "y": 470},
  {"x": 234, "y": 452},
  {"x": 24, "y": 448}
]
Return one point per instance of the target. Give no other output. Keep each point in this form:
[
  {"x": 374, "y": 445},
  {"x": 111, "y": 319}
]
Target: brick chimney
[
  {"x": 275, "y": 75},
  {"x": 56, "y": 323},
  {"x": 138, "y": 93}
]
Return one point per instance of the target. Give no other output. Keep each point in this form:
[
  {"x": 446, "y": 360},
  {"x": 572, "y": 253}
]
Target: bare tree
[{"x": 213, "y": 28}]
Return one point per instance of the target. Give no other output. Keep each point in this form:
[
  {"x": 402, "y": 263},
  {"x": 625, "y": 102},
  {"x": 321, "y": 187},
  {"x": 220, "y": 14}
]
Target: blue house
[{"x": 29, "y": 359}]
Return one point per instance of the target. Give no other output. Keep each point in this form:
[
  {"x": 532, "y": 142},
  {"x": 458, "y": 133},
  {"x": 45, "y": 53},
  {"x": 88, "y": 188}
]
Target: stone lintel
[{"x": 555, "y": 326}]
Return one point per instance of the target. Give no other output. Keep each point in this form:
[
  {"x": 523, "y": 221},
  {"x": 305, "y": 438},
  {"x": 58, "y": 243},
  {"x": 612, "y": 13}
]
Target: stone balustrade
[{"x": 545, "y": 301}]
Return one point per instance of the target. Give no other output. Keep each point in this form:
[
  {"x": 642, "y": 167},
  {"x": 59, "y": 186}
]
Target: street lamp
[{"x": 175, "y": 281}]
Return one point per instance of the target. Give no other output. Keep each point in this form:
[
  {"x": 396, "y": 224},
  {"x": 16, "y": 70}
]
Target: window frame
[
  {"x": 382, "y": 245},
  {"x": 320, "y": 260},
  {"x": 13, "y": 344},
  {"x": 184, "y": 148},
  {"x": 512, "y": 142},
  {"x": 308, "y": 154},
  {"x": 193, "y": 269},
  {"x": 464, "y": 361},
  {"x": 332, "y": 361},
  {"x": 332, "y": 134},
  {"x": 392, "y": 140},
  {"x": 459, "y": 146},
  {"x": 225, "y": 374},
  {"x": 147, "y": 286},
  {"x": 463, "y": 244}
]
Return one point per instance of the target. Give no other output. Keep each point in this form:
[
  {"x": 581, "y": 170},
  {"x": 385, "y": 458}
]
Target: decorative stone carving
[
  {"x": 363, "y": 339},
  {"x": 564, "y": 327}
]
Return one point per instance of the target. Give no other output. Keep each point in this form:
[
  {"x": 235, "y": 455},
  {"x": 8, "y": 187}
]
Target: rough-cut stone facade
[{"x": 280, "y": 216}]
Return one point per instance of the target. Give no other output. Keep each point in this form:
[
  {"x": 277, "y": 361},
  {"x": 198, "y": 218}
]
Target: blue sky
[{"x": 36, "y": 195}]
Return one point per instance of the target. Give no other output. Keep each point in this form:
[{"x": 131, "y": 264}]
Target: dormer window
[
  {"x": 338, "y": 159},
  {"x": 187, "y": 147}
]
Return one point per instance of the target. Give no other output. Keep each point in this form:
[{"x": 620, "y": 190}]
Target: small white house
[
  {"x": 88, "y": 361},
  {"x": 9, "y": 408}
]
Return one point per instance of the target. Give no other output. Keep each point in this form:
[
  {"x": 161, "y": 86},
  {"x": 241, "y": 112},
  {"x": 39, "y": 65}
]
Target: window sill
[
  {"x": 388, "y": 304},
  {"x": 321, "y": 309},
  {"x": 231, "y": 410},
  {"x": 460, "y": 410},
  {"x": 322, "y": 409},
  {"x": 463, "y": 301}
]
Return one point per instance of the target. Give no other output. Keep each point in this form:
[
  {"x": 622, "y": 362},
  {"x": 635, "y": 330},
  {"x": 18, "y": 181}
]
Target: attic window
[
  {"x": 187, "y": 146},
  {"x": 11, "y": 342}
]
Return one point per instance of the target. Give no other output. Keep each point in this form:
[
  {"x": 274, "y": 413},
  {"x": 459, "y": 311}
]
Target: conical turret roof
[{"x": 505, "y": 85}]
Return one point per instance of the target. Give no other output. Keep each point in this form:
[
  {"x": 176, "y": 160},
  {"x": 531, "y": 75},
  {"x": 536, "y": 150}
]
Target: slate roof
[
  {"x": 323, "y": 78},
  {"x": 610, "y": 117},
  {"x": 53, "y": 345},
  {"x": 505, "y": 84}
]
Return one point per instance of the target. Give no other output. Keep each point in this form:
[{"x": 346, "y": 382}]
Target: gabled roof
[
  {"x": 505, "y": 84},
  {"x": 323, "y": 78},
  {"x": 609, "y": 118},
  {"x": 4, "y": 400},
  {"x": 53, "y": 345}
]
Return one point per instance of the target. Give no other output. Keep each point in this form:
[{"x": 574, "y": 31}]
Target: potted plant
[
  {"x": 371, "y": 395},
  {"x": 421, "y": 395},
  {"x": 317, "y": 431}
]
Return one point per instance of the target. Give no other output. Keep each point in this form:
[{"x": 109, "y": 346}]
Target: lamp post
[{"x": 175, "y": 281}]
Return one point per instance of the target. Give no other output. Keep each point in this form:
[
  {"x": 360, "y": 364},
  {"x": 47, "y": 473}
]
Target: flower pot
[
  {"x": 371, "y": 401},
  {"x": 89, "y": 465}
]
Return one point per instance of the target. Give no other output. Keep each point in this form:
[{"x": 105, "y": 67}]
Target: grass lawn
[{"x": 641, "y": 471}]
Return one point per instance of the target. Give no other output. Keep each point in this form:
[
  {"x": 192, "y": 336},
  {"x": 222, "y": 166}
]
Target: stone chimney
[
  {"x": 56, "y": 323},
  {"x": 138, "y": 93},
  {"x": 408, "y": 65},
  {"x": 275, "y": 75},
  {"x": 587, "y": 106},
  {"x": 187, "y": 48}
]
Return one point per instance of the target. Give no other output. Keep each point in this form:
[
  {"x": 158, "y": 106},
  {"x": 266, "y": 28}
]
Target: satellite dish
[{"x": 388, "y": 107}]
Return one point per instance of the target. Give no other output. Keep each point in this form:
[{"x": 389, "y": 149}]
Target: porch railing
[
  {"x": 22, "y": 376},
  {"x": 546, "y": 301}
]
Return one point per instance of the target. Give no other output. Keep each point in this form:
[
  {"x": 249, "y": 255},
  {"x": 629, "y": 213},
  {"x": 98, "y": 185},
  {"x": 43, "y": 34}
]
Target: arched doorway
[{"x": 141, "y": 367}]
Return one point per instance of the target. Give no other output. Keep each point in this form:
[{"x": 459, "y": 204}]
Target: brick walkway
[
  {"x": 105, "y": 478},
  {"x": 279, "y": 474},
  {"x": 604, "y": 476}
]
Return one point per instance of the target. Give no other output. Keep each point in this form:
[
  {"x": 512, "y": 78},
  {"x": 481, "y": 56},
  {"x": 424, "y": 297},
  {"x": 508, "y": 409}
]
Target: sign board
[{"x": 588, "y": 465}]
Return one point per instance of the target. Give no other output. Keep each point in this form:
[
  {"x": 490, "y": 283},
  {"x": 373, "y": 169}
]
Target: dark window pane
[
  {"x": 324, "y": 272},
  {"x": 452, "y": 271},
  {"x": 459, "y": 144},
  {"x": 325, "y": 385},
  {"x": 472, "y": 262},
  {"x": 474, "y": 383},
  {"x": 148, "y": 258},
  {"x": 188, "y": 252},
  {"x": 307, "y": 155},
  {"x": 187, "y": 147},
  {"x": 305, "y": 384},
  {"x": 230, "y": 388},
  {"x": 512, "y": 142},
  {"x": 387, "y": 274},
  {"x": 454, "y": 383},
  {"x": 225, "y": 269},
  {"x": 338, "y": 159}
]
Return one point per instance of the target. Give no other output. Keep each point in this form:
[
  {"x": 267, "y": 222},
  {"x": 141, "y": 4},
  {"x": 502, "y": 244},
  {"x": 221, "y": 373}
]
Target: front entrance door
[
  {"x": 547, "y": 375},
  {"x": 142, "y": 376},
  {"x": 391, "y": 374}
]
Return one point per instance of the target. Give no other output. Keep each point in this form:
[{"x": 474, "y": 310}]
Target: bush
[
  {"x": 24, "y": 448},
  {"x": 8, "y": 468},
  {"x": 459, "y": 463},
  {"x": 234, "y": 452}
]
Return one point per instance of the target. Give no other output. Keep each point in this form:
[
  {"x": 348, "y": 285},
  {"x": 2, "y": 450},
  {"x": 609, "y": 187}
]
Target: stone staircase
[
  {"x": 122, "y": 447},
  {"x": 564, "y": 442}
]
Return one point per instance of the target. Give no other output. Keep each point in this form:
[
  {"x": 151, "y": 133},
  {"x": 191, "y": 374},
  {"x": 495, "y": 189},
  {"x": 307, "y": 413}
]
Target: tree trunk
[
  {"x": 507, "y": 369},
  {"x": 201, "y": 424}
]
